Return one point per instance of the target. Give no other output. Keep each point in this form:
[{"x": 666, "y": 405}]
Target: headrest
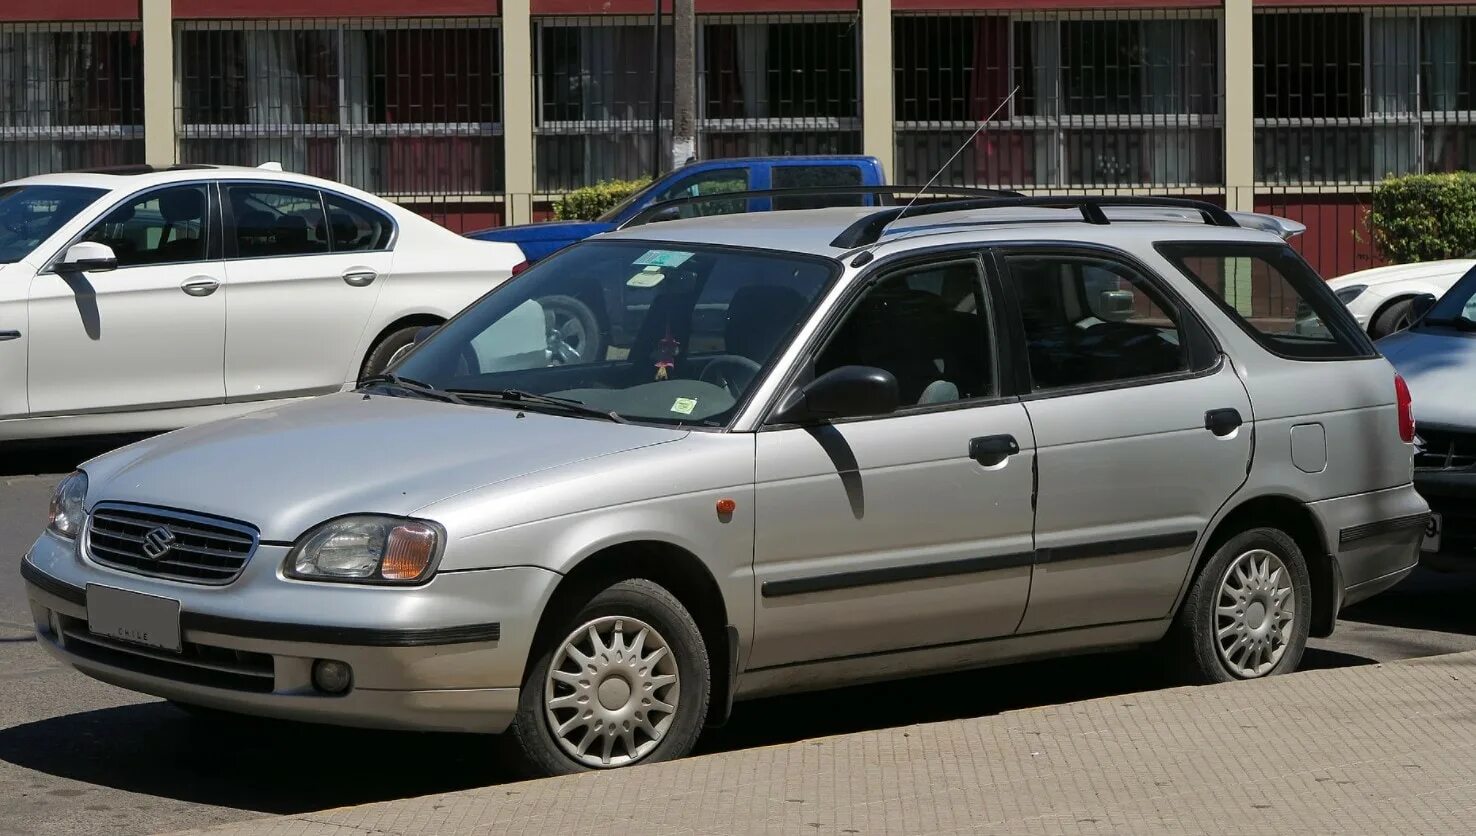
[{"x": 177, "y": 205}]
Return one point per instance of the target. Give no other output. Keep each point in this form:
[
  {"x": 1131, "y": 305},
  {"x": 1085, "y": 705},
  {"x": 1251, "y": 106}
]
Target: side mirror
[
  {"x": 1421, "y": 305},
  {"x": 1116, "y": 305},
  {"x": 670, "y": 213},
  {"x": 87, "y": 256},
  {"x": 846, "y": 392},
  {"x": 424, "y": 334}
]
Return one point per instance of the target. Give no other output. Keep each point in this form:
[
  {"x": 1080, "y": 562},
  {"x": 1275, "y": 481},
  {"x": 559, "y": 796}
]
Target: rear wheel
[
  {"x": 389, "y": 349},
  {"x": 1248, "y": 611},
  {"x": 573, "y": 331},
  {"x": 1392, "y": 319}
]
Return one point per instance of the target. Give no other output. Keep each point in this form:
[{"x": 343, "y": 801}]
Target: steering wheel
[{"x": 733, "y": 372}]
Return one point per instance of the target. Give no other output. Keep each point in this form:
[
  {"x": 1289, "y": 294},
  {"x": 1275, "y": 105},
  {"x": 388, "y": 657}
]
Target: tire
[
  {"x": 384, "y": 352},
  {"x": 538, "y": 748},
  {"x": 573, "y": 331},
  {"x": 1391, "y": 319},
  {"x": 1195, "y": 642}
]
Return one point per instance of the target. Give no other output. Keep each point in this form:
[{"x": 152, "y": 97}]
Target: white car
[
  {"x": 142, "y": 299},
  {"x": 1380, "y": 298}
]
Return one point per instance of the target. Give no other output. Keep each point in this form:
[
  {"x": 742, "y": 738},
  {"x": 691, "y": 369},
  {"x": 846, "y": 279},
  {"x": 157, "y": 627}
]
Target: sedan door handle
[
  {"x": 990, "y": 450},
  {"x": 1222, "y": 422},
  {"x": 200, "y": 286},
  {"x": 360, "y": 278},
  {"x": 7, "y": 336}
]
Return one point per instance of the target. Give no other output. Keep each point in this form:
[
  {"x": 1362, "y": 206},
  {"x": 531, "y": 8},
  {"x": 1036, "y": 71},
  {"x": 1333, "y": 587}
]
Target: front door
[
  {"x": 899, "y": 531},
  {"x": 148, "y": 335},
  {"x": 301, "y": 283},
  {"x": 1124, "y": 383}
]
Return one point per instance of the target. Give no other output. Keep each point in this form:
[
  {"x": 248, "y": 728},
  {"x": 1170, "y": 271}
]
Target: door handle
[
  {"x": 990, "y": 450},
  {"x": 200, "y": 286},
  {"x": 7, "y": 336},
  {"x": 360, "y": 278},
  {"x": 1222, "y": 421}
]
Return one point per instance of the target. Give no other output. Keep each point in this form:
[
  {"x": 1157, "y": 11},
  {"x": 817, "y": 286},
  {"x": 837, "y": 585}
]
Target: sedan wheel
[
  {"x": 1257, "y": 606},
  {"x": 572, "y": 331}
]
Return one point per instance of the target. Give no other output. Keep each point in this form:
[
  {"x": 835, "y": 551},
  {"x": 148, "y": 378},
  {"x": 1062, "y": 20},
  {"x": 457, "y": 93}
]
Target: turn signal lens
[
  {"x": 409, "y": 552},
  {"x": 1406, "y": 410}
]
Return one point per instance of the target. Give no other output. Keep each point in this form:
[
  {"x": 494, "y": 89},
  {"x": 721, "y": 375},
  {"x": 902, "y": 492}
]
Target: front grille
[
  {"x": 169, "y": 544},
  {"x": 1445, "y": 450},
  {"x": 196, "y": 664}
]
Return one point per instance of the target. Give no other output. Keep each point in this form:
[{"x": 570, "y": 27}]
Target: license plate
[
  {"x": 1433, "y": 527},
  {"x": 133, "y": 617}
]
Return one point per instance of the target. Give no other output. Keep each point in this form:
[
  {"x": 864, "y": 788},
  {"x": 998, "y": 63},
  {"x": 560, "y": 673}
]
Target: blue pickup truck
[{"x": 707, "y": 177}]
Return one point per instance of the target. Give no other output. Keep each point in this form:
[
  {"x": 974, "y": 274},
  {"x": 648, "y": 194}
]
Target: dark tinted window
[
  {"x": 353, "y": 227},
  {"x": 928, "y": 326},
  {"x": 160, "y": 227},
  {"x": 277, "y": 220},
  {"x": 816, "y": 177},
  {"x": 1090, "y": 320},
  {"x": 1274, "y": 296}
]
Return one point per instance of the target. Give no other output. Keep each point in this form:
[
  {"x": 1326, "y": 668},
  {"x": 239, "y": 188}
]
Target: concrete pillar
[
  {"x": 878, "y": 134},
  {"x": 684, "y": 82},
  {"x": 517, "y": 109},
  {"x": 158, "y": 82},
  {"x": 1240, "y": 139}
]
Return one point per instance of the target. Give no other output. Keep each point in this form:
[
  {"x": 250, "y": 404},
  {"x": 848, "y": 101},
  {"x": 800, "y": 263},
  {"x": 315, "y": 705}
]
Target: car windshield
[
  {"x": 30, "y": 214},
  {"x": 636, "y": 331},
  {"x": 1457, "y": 308}
]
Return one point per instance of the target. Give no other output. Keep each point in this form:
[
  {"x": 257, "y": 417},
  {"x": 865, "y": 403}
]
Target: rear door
[{"x": 1124, "y": 386}]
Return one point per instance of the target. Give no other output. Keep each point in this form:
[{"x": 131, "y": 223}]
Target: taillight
[
  {"x": 520, "y": 267},
  {"x": 1406, "y": 410}
]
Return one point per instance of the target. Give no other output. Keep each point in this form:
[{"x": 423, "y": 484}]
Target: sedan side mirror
[
  {"x": 670, "y": 213},
  {"x": 846, "y": 392},
  {"x": 1116, "y": 305},
  {"x": 1421, "y": 305},
  {"x": 424, "y": 334},
  {"x": 87, "y": 256}
]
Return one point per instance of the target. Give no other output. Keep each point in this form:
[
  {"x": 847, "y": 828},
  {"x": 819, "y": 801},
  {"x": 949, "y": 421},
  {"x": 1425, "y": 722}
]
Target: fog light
[{"x": 332, "y": 677}]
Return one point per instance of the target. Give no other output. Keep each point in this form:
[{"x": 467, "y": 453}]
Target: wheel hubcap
[
  {"x": 1254, "y": 613},
  {"x": 612, "y": 692},
  {"x": 566, "y": 338}
]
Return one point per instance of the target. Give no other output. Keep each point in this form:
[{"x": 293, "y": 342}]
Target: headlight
[
  {"x": 367, "y": 549},
  {"x": 67, "y": 514},
  {"x": 1349, "y": 293}
]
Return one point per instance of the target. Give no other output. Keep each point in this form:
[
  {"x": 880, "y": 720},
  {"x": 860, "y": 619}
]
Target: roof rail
[
  {"x": 651, "y": 213},
  {"x": 870, "y": 229}
]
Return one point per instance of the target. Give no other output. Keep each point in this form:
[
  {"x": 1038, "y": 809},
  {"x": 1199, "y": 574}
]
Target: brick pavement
[{"x": 1375, "y": 749}]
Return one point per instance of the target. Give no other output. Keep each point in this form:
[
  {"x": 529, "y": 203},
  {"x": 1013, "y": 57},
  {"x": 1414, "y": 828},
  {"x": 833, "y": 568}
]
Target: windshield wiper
[
  {"x": 412, "y": 385},
  {"x": 1460, "y": 323},
  {"x": 522, "y": 396}
]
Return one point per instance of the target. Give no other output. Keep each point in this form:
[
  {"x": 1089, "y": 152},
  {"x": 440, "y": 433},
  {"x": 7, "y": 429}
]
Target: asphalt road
[{"x": 77, "y": 756}]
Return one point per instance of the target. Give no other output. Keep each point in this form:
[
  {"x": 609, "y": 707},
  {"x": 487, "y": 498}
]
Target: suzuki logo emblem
[{"x": 158, "y": 542}]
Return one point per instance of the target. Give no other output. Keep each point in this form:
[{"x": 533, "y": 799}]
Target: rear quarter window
[{"x": 1274, "y": 296}]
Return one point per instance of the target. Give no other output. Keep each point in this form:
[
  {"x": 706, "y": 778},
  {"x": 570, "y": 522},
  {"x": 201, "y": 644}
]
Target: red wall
[
  {"x": 332, "y": 8},
  {"x": 68, "y": 10},
  {"x": 1337, "y": 240}
]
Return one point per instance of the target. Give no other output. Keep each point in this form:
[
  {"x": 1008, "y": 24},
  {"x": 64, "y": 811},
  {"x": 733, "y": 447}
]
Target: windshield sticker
[
  {"x": 662, "y": 258},
  {"x": 650, "y": 277},
  {"x": 684, "y": 406}
]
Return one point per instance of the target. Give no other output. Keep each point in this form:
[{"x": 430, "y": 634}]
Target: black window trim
[
  {"x": 212, "y": 253},
  {"x": 1205, "y": 355},
  {"x": 1342, "y": 320},
  {"x": 878, "y": 271},
  {"x": 228, "y": 212}
]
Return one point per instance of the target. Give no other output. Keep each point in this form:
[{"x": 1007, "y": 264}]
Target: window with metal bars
[
  {"x": 72, "y": 97},
  {"x": 402, "y": 108}
]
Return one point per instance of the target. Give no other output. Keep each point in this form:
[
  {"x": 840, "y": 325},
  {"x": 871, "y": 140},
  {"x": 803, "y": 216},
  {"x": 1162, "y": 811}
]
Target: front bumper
[{"x": 447, "y": 656}]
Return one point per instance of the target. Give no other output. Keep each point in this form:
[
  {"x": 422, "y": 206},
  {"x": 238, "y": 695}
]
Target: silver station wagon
[{"x": 813, "y": 448}]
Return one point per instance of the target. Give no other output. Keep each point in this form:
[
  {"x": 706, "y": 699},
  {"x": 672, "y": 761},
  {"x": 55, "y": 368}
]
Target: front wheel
[
  {"x": 1248, "y": 611},
  {"x": 623, "y": 681}
]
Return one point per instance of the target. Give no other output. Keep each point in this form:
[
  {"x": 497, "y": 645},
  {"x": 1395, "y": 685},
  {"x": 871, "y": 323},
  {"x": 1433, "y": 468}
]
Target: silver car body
[{"x": 910, "y": 558}]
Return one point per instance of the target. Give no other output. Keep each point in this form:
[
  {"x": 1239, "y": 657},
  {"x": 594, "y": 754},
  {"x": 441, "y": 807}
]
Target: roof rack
[
  {"x": 870, "y": 229},
  {"x": 651, "y": 213}
]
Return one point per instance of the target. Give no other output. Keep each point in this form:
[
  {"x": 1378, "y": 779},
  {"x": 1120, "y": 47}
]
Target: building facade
[{"x": 481, "y": 112}]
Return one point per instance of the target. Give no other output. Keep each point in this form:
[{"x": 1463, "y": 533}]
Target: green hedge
[
  {"x": 590, "y": 202},
  {"x": 1425, "y": 217}
]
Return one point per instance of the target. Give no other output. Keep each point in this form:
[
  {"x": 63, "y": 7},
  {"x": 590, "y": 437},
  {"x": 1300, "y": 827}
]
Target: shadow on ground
[{"x": 1427, "y": 600}]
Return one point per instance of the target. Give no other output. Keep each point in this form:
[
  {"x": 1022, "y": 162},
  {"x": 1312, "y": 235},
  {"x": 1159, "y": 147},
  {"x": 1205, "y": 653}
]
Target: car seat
[
  {"x": 759, "y": 316},
  {"x": 178, "y": 208}
]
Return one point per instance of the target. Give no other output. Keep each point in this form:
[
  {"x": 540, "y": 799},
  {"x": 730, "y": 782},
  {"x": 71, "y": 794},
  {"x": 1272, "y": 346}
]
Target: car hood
[
  {"x": 287, "y": 469},
  {"x": 1439, "y": 365},
  {"x": 1454, "y": 268},
  {"x": 548, "y": 231}
]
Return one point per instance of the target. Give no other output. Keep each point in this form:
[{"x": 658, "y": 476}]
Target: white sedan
[
  {"x": 147, "y": 299},
  {"x": 1380, "y": 298}
]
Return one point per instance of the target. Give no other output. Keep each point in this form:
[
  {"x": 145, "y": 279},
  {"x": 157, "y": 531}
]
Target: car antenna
[{"x": 866, "y": 255}]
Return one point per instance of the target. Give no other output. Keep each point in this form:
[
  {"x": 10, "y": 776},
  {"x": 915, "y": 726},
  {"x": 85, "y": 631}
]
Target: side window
[
  {"x": 354, "y": 227},
  {"x": 816, "y": 177},
  {"x": 1274, "y": 296},
  {"x": 1090, "y": 320},
  {"x": 928, "y": 326},
  {"x": 717, "y": 181},
  {"x": 164, "y": 226},
  {"x": 273, "y": 220}
]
